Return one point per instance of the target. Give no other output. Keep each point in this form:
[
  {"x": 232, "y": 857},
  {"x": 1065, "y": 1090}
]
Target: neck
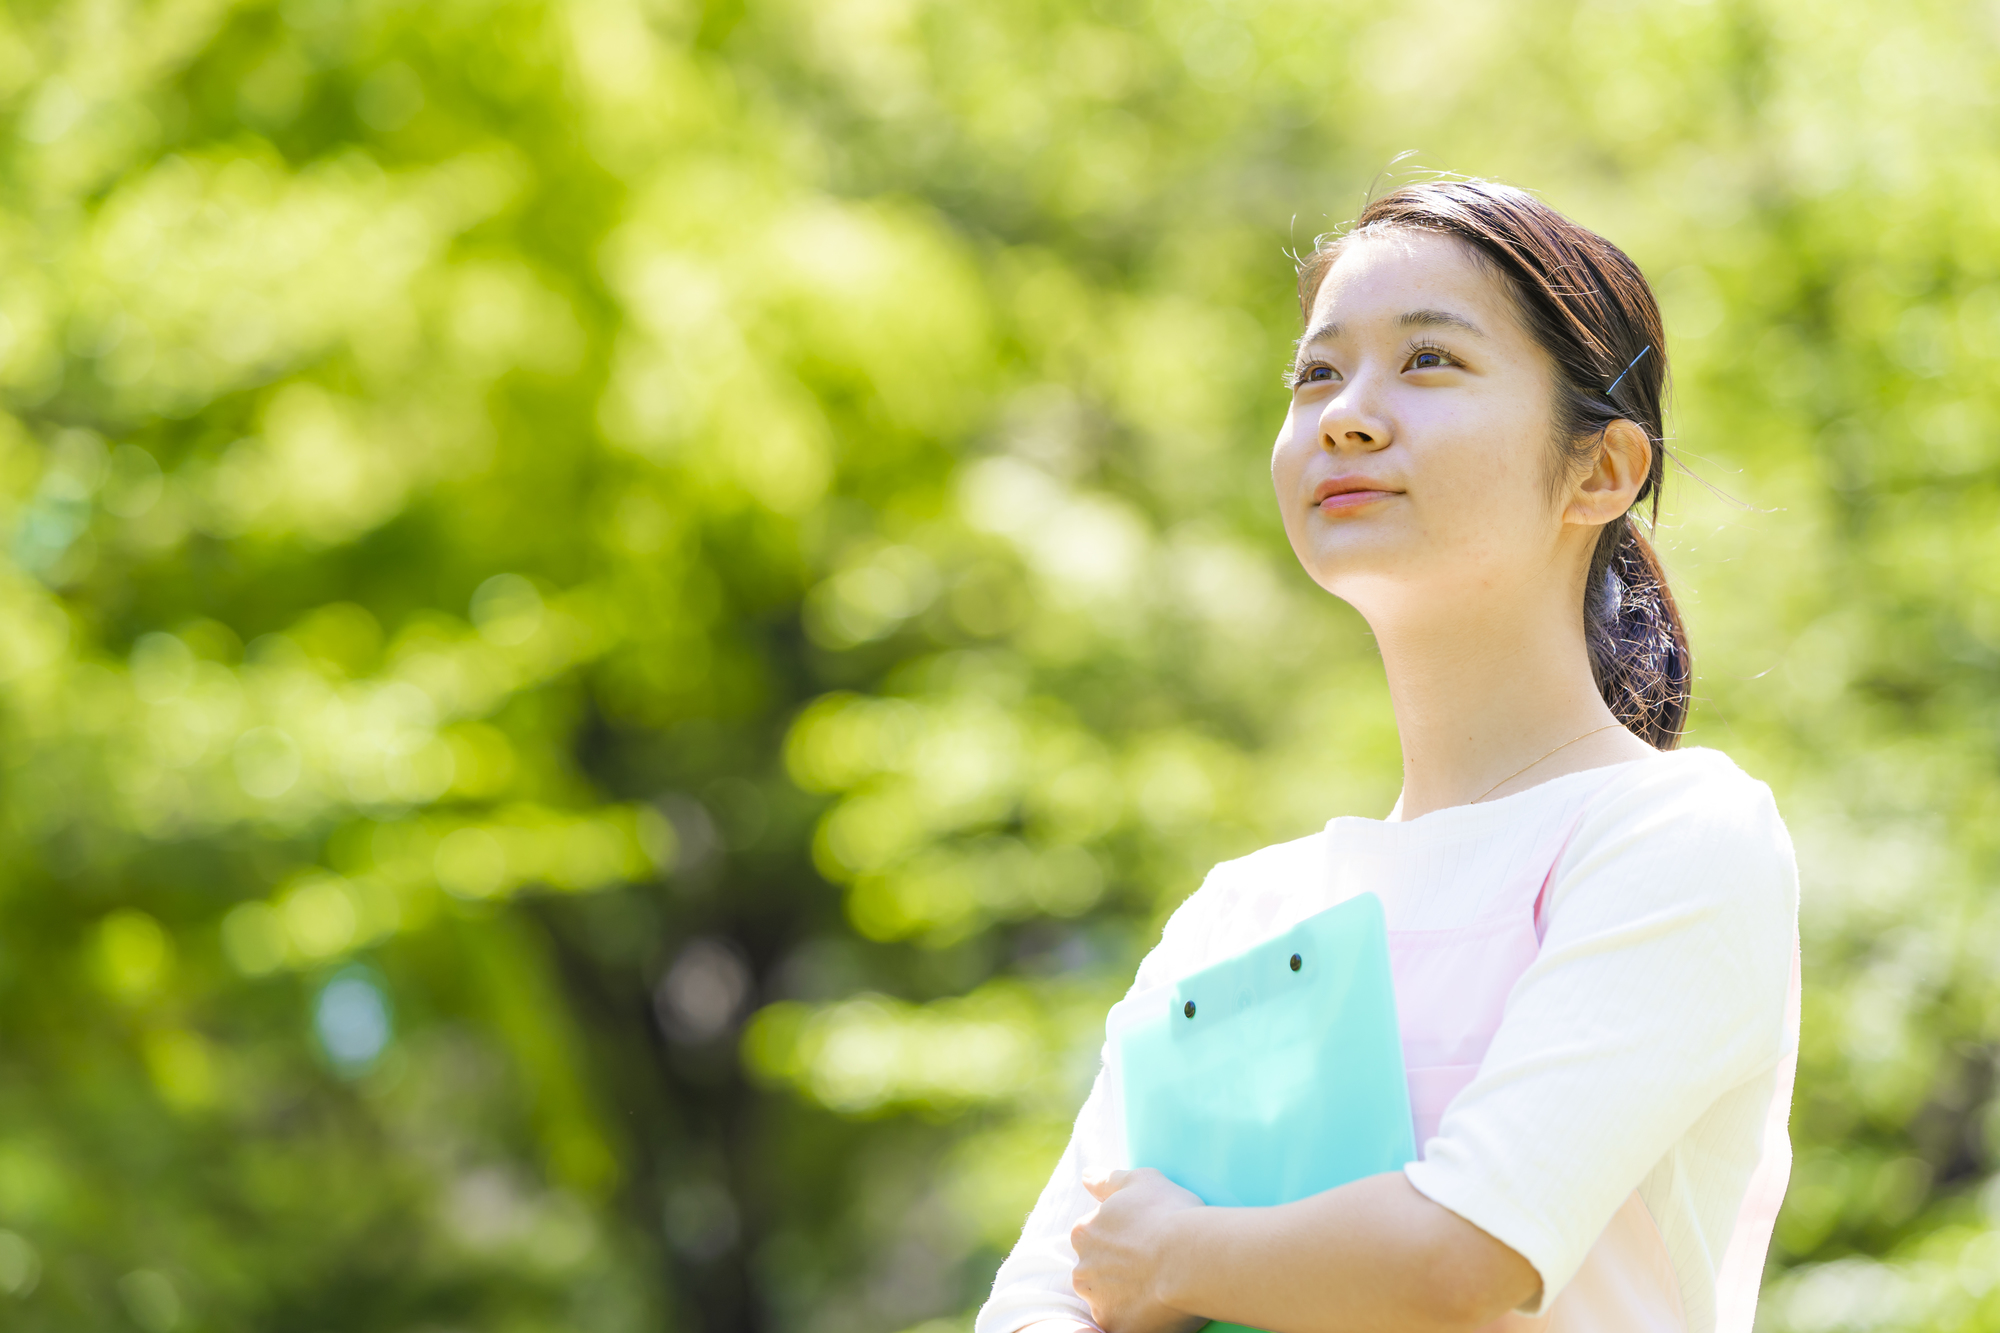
[{"x": 1492, "y": 700}]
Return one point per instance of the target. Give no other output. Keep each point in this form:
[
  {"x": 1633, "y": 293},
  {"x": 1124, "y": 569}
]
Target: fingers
[
  {"x": 1080, "y": 1235},
  {"x": 1103, "y": 1187}
]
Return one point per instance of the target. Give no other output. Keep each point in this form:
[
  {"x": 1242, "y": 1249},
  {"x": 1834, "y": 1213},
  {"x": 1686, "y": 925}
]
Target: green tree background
[{"x": 620, "y": 618}]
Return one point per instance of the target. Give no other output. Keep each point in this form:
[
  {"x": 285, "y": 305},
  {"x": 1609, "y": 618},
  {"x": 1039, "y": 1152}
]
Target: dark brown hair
[{"x": 1588, "y": 306}]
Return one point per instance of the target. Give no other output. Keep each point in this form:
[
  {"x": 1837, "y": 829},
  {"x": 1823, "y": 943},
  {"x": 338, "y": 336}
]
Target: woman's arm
[
  {"x": 1371, "y": 1255},
  {"x": 1034, "y": 1290}
]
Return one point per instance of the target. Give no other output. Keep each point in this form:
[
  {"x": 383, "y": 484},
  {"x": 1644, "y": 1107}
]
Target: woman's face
[{"x": 1415, "y": 460}]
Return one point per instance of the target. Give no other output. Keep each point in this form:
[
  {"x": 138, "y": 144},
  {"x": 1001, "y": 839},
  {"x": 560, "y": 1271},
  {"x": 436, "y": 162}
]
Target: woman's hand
[{"x": 1121, "y": 1252}]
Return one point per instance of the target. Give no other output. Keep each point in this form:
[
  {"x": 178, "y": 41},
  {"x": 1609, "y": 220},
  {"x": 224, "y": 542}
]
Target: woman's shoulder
[
  {"x": 1694, "y": 785},
  {"x": 1268, "y": 869},
  {"x": 1685, "y": 816},
  {"x": 1280, "y": 862},
  {"x": 1190, "y": 933}
]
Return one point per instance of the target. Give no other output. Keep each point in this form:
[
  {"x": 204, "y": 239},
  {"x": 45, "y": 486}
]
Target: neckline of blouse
[{"x": 1501, "y": 809}]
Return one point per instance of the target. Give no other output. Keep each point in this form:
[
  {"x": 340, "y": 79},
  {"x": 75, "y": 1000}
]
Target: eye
[
  {"x": 1312, "y": 374},
  {"x": 1428, "y": 356}
]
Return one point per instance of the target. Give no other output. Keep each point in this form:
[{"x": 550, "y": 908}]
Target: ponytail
[{"x": 1638, "y": 646}]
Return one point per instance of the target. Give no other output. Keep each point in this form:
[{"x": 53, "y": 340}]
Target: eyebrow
[
  {"x": 1433, "y": 319},
  {"x": 1409, "y": 319}
]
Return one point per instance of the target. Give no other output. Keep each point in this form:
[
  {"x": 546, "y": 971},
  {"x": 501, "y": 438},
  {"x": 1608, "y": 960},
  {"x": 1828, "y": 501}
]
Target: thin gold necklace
[{"x": 1524, "y": 768}]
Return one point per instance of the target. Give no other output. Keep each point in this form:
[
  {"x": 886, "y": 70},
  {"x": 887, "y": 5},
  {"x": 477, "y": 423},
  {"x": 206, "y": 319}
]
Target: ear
[{"x": 1607, "y": 490}]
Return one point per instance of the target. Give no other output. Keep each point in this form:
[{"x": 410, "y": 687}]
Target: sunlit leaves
[{"x": 870, "y": 1052}]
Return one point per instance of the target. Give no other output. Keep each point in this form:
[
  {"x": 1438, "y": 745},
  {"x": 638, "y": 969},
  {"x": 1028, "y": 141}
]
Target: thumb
[{"x": 1103, "y": 1187}]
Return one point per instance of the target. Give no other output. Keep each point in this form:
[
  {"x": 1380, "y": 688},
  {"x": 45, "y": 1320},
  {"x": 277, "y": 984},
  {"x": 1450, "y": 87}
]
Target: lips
[{"x": 1340, "y": 493}]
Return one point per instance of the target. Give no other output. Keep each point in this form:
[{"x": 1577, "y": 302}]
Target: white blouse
[{"x": 1654, "y": 1026}]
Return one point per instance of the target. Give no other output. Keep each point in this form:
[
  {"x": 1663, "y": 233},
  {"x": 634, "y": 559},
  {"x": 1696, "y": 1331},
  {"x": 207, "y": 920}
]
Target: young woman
[{"x": 1593, "y": 932}]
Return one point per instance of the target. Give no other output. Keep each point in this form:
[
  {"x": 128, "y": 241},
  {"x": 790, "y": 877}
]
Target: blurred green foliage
[{"x": 620, "y": 618}]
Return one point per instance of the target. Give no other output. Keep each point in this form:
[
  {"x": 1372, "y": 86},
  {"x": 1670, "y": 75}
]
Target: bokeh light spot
[
  {"x": 703, "y": 992},
  {"x": 182, "y": 1066},
  {"x": 267, "y": 762},
  {"x": 470, "y": 863},
  {"x": 133, "y": 954},
  {"x": 253, "y": 935},
  {"x": 351, "y": 1019},
  {"x": 162, "y": 667},
  {"x": 319, "y": 917},
  {"x": 701, "y": 1221},
  {"x": 507, "y": 610},
  {"x": 20, "y": 1265},
  {"x": 151, "y": 1300}
]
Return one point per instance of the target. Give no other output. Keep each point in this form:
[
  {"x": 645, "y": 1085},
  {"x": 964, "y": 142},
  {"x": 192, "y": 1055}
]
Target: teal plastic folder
[{"x": 1276, "y": 1074}]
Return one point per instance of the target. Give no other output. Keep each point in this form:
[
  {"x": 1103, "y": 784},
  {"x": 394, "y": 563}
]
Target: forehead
[{"x": 1379, "y": 275}]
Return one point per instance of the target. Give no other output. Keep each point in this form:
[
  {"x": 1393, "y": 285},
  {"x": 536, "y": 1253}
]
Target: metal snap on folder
[{"x": 1273, "y": 1075}]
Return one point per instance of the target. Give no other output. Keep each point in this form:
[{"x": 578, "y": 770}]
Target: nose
[{"x": 1352, "y": 420}]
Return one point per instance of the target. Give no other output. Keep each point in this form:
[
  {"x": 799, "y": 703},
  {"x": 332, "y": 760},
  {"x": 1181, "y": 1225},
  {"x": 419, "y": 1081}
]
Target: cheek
[
  {"x": 1482, "y": 445},
  {"x": 1290, "y": 454},
  {"x": 1287, "y": 454},
  {"x": 1487, "y": 485}
]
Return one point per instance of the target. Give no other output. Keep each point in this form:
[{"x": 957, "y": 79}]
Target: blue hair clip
[{"x": 1628, "y": 370}]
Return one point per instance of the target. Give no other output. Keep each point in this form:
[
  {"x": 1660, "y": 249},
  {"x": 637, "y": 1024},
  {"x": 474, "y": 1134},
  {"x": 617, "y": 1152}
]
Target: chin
[{"x": 1340, "y": 558}]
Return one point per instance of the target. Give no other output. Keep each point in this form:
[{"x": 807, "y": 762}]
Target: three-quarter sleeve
[
  {"x": 1035, "y": 1281},
  {"x": 1659, "y": 993}
]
